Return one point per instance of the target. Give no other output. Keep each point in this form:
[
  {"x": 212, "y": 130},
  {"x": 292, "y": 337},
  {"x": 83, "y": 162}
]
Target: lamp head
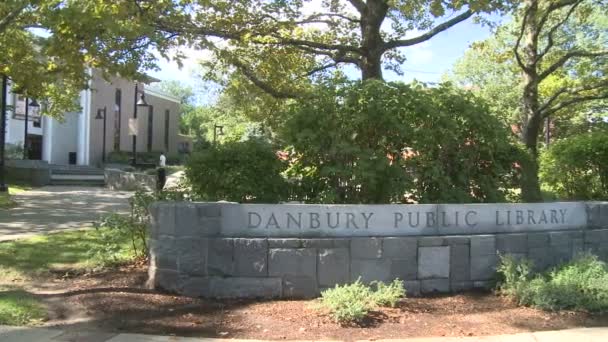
[
  {"x": 142, "y": 101},
  {"x": 34, "y": 104}
]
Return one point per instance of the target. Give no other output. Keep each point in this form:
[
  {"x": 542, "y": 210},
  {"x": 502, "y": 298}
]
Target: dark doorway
[{"x": 35, "y": 147}]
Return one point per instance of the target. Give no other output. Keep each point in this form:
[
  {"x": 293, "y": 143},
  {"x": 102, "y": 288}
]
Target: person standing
[{"x": 162, "y": 173}]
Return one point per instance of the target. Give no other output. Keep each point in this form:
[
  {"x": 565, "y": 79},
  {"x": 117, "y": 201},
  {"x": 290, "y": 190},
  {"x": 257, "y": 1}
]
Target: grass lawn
[
  {"x": 32, "y": 260},
  {"x": 18, "y": 307},
  {"x": 5, "y": 199}
]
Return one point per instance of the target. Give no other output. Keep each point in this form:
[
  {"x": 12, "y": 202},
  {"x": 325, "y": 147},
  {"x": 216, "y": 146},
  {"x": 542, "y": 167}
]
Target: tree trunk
[
  {"x": 530, "y": 184},
  {"x": 531, "y": 116},
  {"x": 372, "y": 42}
]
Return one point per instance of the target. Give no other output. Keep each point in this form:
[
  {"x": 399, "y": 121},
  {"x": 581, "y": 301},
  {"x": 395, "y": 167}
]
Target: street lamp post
[
  {"x": 141, "y": 102},
  {"x": 3, "y": 187},
  {"x": 32, "y": 104},
  {"x": 217, "y": 131},
  {"x": 100, "y": 117}
]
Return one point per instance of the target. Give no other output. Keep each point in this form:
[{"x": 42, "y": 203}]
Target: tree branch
[
  {"x": 430, "y": 34},
  {"x": 571, "y": 91},
  {"x": 565, "y": 58},
  {"x": 316, "y": 18},
  {"x": 518, "y": 42},
  {"x": 318, "y": 69},
  {"x": 311, "y": 44},
  {"x": 574, "y": 101},
  {"x": 10, "y": 17},
  {"x": 265, "y": 86},
  {"x": 553, "y": 29}
]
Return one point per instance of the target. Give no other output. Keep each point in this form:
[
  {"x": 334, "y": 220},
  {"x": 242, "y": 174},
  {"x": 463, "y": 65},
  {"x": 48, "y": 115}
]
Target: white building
[{"x": 79, "y": 139}]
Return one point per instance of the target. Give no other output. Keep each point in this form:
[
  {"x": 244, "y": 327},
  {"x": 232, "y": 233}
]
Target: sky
[{"x": 426, "y": 62}]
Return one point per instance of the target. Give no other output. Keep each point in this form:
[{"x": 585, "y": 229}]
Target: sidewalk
[
  {"x": 57, "y": 208},
  {"x": 24, "y": 334}
]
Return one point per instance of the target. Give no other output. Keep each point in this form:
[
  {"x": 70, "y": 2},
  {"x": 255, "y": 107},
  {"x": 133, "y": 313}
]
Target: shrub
[
  {"x": 13, "y": 151},
  {"x": 348, "y": 303},
  {"x": 376, "y": 142},
  {"x": 351, "y": 303},
  {"x": 576, "y": 168},
  {"x": 247, "y": 171},
  {"x": 388, "y": 295},
  {"x": 115, "y": 229},
  {"x": 581, "y": 284}
]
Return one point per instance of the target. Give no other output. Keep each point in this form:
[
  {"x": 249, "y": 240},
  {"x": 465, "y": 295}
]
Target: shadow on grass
[
  {"x": 41, "y": 254},
  {"x": 18, "y": 307}
]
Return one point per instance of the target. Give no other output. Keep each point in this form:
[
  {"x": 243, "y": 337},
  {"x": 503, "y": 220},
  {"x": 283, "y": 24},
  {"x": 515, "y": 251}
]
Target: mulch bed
[{"x": 118, "y": 302}]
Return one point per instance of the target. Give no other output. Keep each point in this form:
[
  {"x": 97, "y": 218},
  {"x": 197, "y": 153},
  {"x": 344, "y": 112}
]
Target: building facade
[{"x": 79, "y": 137}]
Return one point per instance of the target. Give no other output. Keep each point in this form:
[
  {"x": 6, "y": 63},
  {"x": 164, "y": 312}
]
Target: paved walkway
[
  {"x": 55, "y": 208},
  {"x": 23, "y": 334}
]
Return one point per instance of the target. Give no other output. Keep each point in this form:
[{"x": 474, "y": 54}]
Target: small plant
[
  {"x": 113, "y": 231},
  {"x": 351, "y": 303},
  {"x": 348, "y": 303},
  {"x": 581, "y": 284},
  {"x": 388, "y": 295}
]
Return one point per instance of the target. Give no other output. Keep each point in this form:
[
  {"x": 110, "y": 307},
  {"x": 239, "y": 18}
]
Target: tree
[
  {"x": 546, "y": 43},
  {"x": 76, "y": 34},
  {"x": 549, "y": 62},
  {"x": 278, "y": 45}
]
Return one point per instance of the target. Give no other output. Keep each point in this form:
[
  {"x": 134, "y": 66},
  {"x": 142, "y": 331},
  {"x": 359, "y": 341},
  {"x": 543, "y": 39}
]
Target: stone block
[
  {"x": 333, "y": 266},
  {"x": 434, "y": 262},
  {"x": 460, "y": 266},
  {"x": 435, "y": 285},
  {"x": 563, "y": 238},
  {"x": 412, "y": 288},
  {"x": 370, "y": 269},
  {"x": 325, "y": 243},
  {"x": 538, "y": 240},
  {"x": 152, "y": 225},
  {"x": 404, "y": 269},
  {"x": 210, "y": 209},
  {"x": 163, "y": 253},
  {"x": 284, "y": 243},
  {"x": 366, "y": 248},
  {"x": 460, "y": 286},
  {"x": 191, "y": 256},
  {"x": 250, "y": 257},
  {"x": 210, "y": 226},
  {"x": 596, "y": 236},
  {"x": 578, "y": 247},
  {"x": 300, "y": 287},
  {"x": 431, "y": 241},
  {"x": 165, "y": 218},
  {"x": 457, "y": 240},
  {"x": 195, "y": 286},
  {"x": 483, "y": 284},
  {"x": 292, "y": 262},
  {"x": 241, "y": 287},
  {"x": 512, "y": 243},
  {"x": 482, "y": 245},
  {"x": 597, "y": 214},
  {"x": 187, "y": 220},
  {"x": 560, "y": 253},
  {"x": 483, "y": 267},
  {"x": 400, "y": 248},
  {"x": 541, "y": 257},
  {"x": 220, "y": 257},
  {"x": 163, "y": 279}
]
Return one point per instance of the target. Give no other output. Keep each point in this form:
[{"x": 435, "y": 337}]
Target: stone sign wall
[{"x": 234, "y": 250}]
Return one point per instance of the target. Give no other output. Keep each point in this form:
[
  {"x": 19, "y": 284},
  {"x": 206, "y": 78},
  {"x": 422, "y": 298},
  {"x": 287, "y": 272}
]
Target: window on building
[
  {"x": 167, "y": 130},
  {"x": 117, "y": 110},
  {"x": 150, "y": 126},
  {"x": 36, "y": 123}
]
